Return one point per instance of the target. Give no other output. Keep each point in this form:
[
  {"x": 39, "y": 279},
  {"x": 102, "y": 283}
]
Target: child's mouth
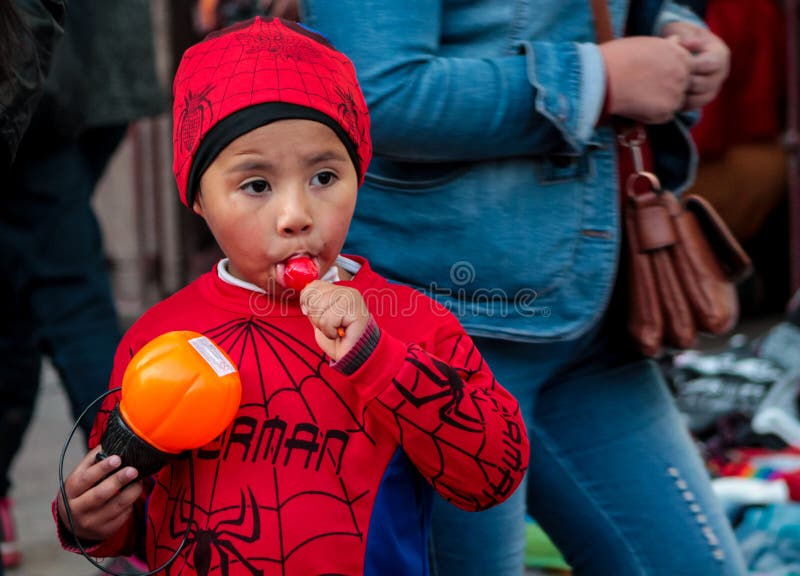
[{"x": 297, "y": 271}]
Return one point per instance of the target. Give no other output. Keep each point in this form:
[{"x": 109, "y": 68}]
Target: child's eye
[
  {"x": 325, "y": 178},
  {"x": 256, "y": 186}
]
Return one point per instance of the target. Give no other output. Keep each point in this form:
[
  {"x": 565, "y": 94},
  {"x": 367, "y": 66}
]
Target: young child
[{"x": 359, "y": 397}]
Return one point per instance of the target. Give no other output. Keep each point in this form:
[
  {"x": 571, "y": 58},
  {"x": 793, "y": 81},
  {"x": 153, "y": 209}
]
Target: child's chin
[{"x": 278, "y": 290}]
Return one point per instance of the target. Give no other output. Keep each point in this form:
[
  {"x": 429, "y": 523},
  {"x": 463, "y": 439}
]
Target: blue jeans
[
  {"x": 615, "y": 480},
  {"x": 55, "y": 295}
]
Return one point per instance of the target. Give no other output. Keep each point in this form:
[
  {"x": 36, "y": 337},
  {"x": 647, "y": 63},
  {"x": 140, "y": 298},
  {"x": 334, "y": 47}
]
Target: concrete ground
[{"x": 35, "y": 477}]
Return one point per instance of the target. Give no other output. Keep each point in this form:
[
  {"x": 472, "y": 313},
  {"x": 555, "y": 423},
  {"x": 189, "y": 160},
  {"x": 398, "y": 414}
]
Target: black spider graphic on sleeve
[
  {"x": 457, "y": 433},
  {"x": 221, "y": 537},
  {"x": 451, "y": 386}
]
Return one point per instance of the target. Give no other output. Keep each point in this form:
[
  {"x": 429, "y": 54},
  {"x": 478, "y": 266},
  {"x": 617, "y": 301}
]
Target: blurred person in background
[
  {"x": 29, "y": 33},
  {"x": 55, "y": 295},
  {"x": 215, "y": 14},
  {"x": 494, "y": 188}
]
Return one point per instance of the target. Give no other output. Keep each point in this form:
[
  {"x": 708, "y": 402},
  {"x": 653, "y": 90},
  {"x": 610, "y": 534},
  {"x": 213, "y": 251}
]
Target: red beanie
[{"x": 253, "y": 73}]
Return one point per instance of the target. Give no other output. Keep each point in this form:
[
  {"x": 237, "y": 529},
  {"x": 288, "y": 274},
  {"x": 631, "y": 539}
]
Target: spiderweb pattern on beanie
[{"x": 259, "y": 61}]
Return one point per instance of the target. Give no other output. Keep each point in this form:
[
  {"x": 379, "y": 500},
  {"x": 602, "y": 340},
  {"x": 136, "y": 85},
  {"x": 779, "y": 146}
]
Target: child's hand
[
  {"x": 338, "y": 314},
  {"x": 100, "y": 497},
  {"x": 710, "y": 61},
  {"x": 647, "y": 77}
]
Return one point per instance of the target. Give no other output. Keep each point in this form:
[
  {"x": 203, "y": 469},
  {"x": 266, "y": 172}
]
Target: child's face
[{"x": 282, "y": 190}]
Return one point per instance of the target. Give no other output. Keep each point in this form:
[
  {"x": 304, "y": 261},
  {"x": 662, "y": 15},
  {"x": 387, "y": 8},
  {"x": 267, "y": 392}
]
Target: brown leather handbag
[
  {"x": 682, "y": 265},
  {"x": 681, "y": 261}
]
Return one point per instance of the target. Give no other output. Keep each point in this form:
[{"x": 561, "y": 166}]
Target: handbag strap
[
  {"x": 602, "y": 21},
  {"x": 631, "y": 136}
]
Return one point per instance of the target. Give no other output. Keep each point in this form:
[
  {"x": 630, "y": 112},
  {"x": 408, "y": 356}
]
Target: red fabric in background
[{"x": 749, "y": 107}]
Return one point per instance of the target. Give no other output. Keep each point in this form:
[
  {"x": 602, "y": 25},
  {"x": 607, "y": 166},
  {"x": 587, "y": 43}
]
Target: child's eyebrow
[
  {"x": 326, "y": 157},
  {"x": 249, "y": 165},
  {"x": 252, "y": 164}
]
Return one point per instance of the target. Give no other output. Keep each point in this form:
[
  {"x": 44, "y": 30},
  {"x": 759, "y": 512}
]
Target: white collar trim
[{"x": 332, "y": 275}]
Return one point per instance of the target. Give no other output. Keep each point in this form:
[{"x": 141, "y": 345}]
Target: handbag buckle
[
  {"x": 632, "y": 138},
  {"x": 642, "y": 182}
]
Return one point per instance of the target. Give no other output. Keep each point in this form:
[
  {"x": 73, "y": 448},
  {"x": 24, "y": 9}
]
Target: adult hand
[
  {"x": 100, "y": 497},
  {"x": 647, "y": 77},
  {"x": 332, "y": 308},
  {"x": 710, "y": 61}
]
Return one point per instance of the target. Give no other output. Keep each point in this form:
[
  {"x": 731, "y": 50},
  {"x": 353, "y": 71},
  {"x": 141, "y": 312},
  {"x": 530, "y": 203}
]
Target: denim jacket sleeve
[
  {"x": 538, "y": 98},
  {"x": 535, "y": 99},
  {"x": 672, "y": 12}
]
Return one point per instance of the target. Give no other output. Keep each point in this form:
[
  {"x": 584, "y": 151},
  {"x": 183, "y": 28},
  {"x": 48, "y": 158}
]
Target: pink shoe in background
[{"x": 9, "y": 549}]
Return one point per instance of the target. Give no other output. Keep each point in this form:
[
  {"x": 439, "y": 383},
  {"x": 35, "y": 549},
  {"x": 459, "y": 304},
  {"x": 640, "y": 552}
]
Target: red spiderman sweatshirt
[{"x": 322, "y": 472}]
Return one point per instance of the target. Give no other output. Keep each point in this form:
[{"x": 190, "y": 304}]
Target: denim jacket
[{"x": 492, "y": 189}]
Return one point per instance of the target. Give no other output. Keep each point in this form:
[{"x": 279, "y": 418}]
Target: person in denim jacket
[{"x": 494, "y": 188}]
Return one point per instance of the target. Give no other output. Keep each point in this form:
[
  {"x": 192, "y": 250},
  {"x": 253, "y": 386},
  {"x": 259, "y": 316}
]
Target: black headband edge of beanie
[{"x": 242, "y": 121}]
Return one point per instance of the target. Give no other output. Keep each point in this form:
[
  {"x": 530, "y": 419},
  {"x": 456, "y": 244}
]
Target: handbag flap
[{"x": 733, "y": 259}]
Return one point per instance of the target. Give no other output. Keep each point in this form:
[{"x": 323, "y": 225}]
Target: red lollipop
[{"x": 300, "y": 272}]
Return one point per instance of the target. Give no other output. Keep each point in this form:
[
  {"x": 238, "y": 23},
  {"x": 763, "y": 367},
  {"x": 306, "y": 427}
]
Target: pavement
[{"x": 35, "y": 478}]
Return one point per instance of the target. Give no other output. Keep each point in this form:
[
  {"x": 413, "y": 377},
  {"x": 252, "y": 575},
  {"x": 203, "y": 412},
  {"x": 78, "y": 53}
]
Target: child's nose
[{"x": 295, "y": 217}]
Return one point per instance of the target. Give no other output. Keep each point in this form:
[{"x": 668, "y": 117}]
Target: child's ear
[{"x": 197, "y": 206}]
